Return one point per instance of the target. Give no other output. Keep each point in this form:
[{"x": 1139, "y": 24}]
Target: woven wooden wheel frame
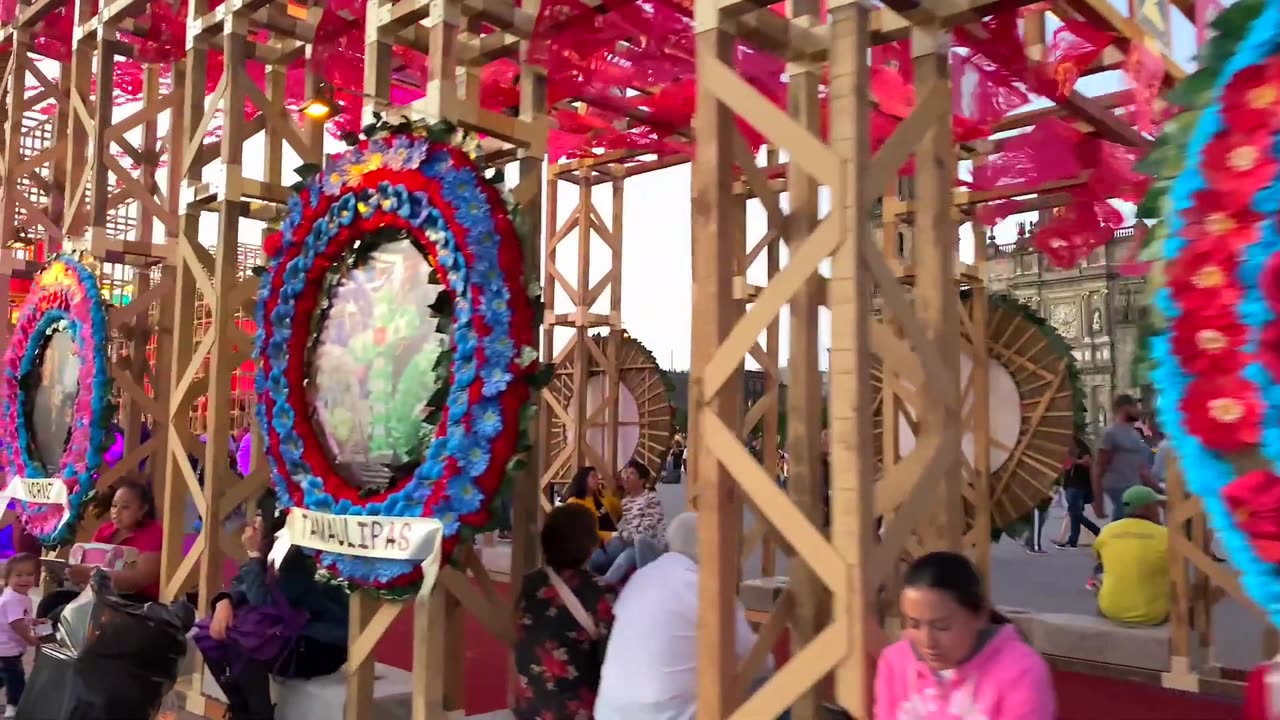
[
  {"x": 640, "y": 375},
  {"x": 1042, "y": 368}
]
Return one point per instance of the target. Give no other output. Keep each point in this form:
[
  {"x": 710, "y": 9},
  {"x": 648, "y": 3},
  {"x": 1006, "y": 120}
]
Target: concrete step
[{"x": 323, "y": 698}]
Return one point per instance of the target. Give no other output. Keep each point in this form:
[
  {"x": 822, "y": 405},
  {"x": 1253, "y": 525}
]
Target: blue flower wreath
[
  {"x": 65, "y": 297},
  {"x": 1208, "y": 471},
  {"x": 431, "y": 190}
]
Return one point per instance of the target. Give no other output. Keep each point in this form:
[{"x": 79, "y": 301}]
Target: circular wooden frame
[
  {"x": 1039, "y": 362},
  {"x": 639, "y": 376}
]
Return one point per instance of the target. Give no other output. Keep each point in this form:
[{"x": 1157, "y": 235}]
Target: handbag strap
[{"x": 571, "y": 602}]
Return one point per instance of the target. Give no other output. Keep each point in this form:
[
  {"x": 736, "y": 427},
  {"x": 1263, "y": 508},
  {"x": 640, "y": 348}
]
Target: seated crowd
[
  {"x": 608, "y": 627},
  {"x": 589, "y": 648}
]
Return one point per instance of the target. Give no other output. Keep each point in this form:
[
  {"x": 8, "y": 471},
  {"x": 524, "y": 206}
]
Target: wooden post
[
  {"x": 215, "y": 277},
  {"x": 852, "y": 450},
  {"x": 465, "y": 588}
]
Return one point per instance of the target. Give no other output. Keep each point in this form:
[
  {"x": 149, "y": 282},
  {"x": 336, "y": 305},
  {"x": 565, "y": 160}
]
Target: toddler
[{"x": 16, "y": 633}]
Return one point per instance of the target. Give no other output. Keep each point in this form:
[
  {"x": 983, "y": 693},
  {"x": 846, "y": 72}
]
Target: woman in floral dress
[{"x": 563, "y": 617}]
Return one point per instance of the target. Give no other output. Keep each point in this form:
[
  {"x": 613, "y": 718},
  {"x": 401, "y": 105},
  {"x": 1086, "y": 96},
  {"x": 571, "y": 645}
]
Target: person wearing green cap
[{"x": 1134, "y": 554}]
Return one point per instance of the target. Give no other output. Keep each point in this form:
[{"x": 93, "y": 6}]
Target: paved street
[{"x": 1055, "y": 582}]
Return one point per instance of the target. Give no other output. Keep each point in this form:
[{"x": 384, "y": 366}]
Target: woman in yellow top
[{"x": 585, "y": 489}]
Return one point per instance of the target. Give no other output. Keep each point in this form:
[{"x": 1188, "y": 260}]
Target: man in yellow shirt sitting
[{"x": 1134, "y": 553}]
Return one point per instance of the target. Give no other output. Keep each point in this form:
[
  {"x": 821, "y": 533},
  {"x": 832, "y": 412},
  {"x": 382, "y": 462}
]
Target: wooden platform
[{"x": 1091, "y": 639}]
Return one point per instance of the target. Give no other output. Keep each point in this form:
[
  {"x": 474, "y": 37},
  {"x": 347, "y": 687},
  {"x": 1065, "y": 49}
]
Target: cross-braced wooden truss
[
  {"x": 589, "y": 228},
  {"x": 64, "y": 187},
  {"x": 846, "y": 565},
  {"x": 635, "y": 373},
  {"x": 60, "y": 178},
  {"x": 256, "y": 187}
]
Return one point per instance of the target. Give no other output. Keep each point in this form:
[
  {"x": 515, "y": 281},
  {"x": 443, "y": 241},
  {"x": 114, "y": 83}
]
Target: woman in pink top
[
  {"x": 133, "y": 524},
  {"x": 958, "y": 659}
]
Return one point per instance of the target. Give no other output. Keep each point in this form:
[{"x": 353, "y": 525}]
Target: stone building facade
[{"x": 1096, "y": 308}]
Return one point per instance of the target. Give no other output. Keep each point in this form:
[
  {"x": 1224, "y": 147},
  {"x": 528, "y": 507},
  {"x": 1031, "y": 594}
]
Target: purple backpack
[{"x": 262, "y": 633}]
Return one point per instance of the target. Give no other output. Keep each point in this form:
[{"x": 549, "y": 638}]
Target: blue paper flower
[
  {"x": 465, "y": 442},
  {"x": 77, "y": 308}
]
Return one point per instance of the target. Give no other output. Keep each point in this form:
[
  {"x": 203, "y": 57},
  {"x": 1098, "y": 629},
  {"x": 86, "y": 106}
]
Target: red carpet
[{"x": 1080, "y": 697}]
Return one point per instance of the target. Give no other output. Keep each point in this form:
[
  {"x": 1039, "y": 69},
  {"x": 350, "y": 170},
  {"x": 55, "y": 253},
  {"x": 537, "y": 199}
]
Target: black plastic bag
[{"x": 128, "y": 665}]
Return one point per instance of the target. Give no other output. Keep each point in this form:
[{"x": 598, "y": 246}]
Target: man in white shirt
[{"x": 648, "y": 670}]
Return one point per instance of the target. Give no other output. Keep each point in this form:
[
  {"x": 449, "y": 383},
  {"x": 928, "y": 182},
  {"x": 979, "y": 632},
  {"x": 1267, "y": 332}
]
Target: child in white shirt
[{"x": 16, "y": 634}]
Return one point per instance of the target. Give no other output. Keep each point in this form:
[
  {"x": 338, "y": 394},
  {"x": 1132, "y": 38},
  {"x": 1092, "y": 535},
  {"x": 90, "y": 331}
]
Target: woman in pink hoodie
[{"x": 958, "y": 659}]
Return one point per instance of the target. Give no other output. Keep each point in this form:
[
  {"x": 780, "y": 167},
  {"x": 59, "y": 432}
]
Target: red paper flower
[
  {"x": 1223, "y": 412},
  {"x": 1269, "y": 348},
  {"x": 1238, "y": 164},
  {"x": 1251, "y": 100},
  {"x": 1208, "y": 340},
  {"x": 1254, "y": 500},
  {"x": 1205, "y": 273},
  {"x": 272, "y": 245},
  {"x": 1269, "y": 282},
  {"x": 1221, "y": 217}
]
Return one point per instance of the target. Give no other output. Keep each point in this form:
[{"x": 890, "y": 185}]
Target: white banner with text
[{"x": 371, "y": 536}]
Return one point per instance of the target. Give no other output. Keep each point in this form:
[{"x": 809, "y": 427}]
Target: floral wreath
[
  {"x": 66, "y": 297},
  {"x": 422, "y": 183},
  {"x": 1216, "y": 358}
]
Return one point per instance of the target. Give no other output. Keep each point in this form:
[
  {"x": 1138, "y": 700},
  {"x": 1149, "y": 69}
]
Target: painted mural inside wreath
[
  {"x": 373, "y": 369},
  {"x": 53, "y": 406}
]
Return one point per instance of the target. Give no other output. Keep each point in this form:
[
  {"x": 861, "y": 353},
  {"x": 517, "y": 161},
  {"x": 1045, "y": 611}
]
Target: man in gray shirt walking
[{"x": 1123, "y": 458}]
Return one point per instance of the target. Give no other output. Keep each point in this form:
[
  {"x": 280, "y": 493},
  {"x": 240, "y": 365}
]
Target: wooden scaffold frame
[
  {"x": 452, "y": 94},
  {"x": 612, "y": 168},
  {"x": 73, "y": 194},
  {"x": 246, "y": 31},
  {"x": 830, "y": 595},
  {"x": 100, "y": 189},
  {"x": 583, "y": 295},
  {"x": 204, "y": 367},
  {"x": 849, "y": 566},
  {"x": 33, "y": 157}
]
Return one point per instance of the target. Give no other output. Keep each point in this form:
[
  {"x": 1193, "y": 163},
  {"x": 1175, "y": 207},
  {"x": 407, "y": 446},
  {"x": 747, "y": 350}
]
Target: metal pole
[{"x": 1033, "y": 540}]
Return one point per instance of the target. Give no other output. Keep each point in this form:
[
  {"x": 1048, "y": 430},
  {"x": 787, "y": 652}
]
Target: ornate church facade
[{"x": 1093, "y": 305}]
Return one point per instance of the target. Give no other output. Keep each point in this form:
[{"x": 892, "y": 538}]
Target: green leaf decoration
[
  {"x": 1194, "y": 90},
  {"x": 1234, "y": 19},
  {"x": 1163, "y": 162},
  {"x": 258, "y": 271},
  {"x": 306, "y": 171},
  {"x": 1142, "y": 361},
  {"x": 1155, "y": 203},
  {"x": 1155, "y": 238},
  {"x": 1177, "y": 130},
  {"x": 543, "y": 377},
  {"x": 1223, "y": 45},
  {"x": 441, "y": 131}
]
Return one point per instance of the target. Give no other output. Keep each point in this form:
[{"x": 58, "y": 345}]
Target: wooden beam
[{"x": 1102, "y": 14}]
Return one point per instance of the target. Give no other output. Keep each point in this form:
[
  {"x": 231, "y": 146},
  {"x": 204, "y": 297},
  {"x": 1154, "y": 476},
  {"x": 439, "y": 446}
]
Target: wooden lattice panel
[
  {"x": 36, "y": 138},
  {"x": 248, "y": 257},
  {"x": 641, "y": 379},
  {"x": 1027, "y": 460},
  {"x": 119, "y": 283}
]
